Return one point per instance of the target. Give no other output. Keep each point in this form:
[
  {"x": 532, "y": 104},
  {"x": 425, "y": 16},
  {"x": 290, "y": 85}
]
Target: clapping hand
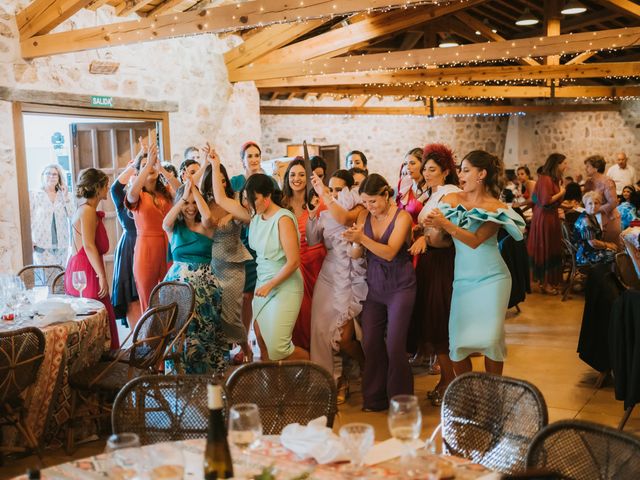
[
  {"x": 354, "y": 234},
  {"x": 435, "y": 219}
]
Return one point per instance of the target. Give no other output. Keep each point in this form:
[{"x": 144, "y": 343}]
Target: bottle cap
[{"x": 214, "y": 397}]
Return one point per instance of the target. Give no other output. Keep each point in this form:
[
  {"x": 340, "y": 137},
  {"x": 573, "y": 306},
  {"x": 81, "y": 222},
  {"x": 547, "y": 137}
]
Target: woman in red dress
[
  {"x": 545, "y": 235},
  {"x": 90, "y": 243},
  {"x": 294, "y": 193}
]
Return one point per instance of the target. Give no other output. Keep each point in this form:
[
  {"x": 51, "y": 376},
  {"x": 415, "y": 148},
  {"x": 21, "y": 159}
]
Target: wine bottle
[{"x": 217, "y": 458}]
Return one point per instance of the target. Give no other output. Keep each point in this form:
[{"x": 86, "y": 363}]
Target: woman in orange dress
[
  {"x": 150, "y": 201},
  {"x": 90, "y": 243},
  {"x": 294, "y": 193}
]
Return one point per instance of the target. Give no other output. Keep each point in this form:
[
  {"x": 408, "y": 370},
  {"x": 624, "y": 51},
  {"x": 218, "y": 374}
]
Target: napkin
[
  {"x": 315, "y": 440},
  {"x": 384, "y": 451},
  {"x": 54, "y": 311}
]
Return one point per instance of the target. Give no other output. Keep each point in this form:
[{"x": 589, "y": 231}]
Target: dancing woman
[{"x": 482, "y": 283}]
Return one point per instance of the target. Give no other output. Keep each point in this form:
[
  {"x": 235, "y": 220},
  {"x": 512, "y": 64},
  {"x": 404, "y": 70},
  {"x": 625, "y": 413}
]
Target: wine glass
[
  {"x": 14, "y": 293},
  {"x": 405, "y": 424},
  {"x": 357, "y": 439},
  {"x": 245, "y": 427},
  {"x": 79, "y": 280},
  {"x": 123, "y": 461},
  {"x": 119, "y": 441}
]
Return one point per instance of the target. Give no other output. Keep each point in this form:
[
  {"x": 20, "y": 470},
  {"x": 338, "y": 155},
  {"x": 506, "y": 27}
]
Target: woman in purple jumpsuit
[{"x": 384, "y": 231}]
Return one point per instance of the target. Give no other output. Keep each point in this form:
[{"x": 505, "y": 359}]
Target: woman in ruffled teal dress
[
  {"x": 481, "y": 282},
  {"x": 190, "y": 229}
]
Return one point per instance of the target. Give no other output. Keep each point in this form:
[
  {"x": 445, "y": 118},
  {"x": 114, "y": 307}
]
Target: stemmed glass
[
  {"x": 123, "y": 461},
  {"x": 245, "y": 426},
  {"x": 14, "y": 294},
  {"x": 405, "y": 424},
  {"x": 358, "y": 439},
  {"x": 79, "y": 280}
]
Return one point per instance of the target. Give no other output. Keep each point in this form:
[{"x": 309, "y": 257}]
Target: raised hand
[{"x": 318, "y": 186}]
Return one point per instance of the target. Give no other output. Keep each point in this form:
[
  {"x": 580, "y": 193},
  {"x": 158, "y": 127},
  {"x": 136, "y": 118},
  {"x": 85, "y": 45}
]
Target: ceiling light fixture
[
  {"x": 527, "y": 19},
  {"x": 573, "y": 7},
  {"x": 448, "y": 41}
]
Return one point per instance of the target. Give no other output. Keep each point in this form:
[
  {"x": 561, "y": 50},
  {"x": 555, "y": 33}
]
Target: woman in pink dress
[
  {"x": 90, "y": 243},
  {"x": 294, "y": 193},
  {"x": 411, "y": 194}
]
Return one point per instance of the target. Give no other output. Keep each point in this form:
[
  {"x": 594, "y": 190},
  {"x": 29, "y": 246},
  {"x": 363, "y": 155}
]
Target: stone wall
[
  {"x": 189, "y": 71},
  {"x": 520, "y": 140},
  {"x": 384, "y": 139}
]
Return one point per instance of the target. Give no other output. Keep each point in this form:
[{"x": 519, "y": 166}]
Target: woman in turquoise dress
[
  {"x": 190, "y": 229},
  {"x": 273, "y": 234},
  {"x": 481, "y": 281}
]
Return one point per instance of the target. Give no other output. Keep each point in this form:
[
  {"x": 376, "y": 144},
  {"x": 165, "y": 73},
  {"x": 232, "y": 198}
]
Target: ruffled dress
[
  {"x": 481, "y": 285},
  {"x": 340, "y": 289}
]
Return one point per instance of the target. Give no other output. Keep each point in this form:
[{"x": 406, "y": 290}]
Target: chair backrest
[
  {"x": 179, "y": 292},
  {"x": 162, "y": 408},
  {"x": 491, "y": 419},
  {"x": 151, "y": 336},
  {"x": 285, "y": 392},
  {"x": 21, "y": 354},
  {"x": 626, "y": 272},
  {"x": 57, "y": 286},
  {"x": 39, "y": 275},
  {"x": 576, "y": 450}
]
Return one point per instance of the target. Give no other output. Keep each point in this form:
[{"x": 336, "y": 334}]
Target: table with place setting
[{"x": 76, "y": 334}]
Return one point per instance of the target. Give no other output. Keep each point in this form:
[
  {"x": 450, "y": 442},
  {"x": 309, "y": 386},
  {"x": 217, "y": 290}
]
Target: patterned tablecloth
[
  {"x": 70, "y": 346},
  {"x": 631, "y": 239},
  {"x": 156, "y": 461}
]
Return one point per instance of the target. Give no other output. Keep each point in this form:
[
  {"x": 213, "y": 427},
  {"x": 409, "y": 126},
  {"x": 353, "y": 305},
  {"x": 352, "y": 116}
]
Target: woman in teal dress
[
  {"x": 190, "y": 229},
  {"x": 481, "y": 282},
  {"x": 273, "y": 234}
]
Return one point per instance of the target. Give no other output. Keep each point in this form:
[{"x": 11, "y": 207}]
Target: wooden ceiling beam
[
  {"x": 165, "y": 7},
  {"x": 217, "y": 19},
  {"x": 267, "y": 40},
  {"x": 464, "y": 74},
  {"x": 352, "y": 37},
  {"x": 42, "y": 16},
  {"x": 580, "y": 58},
  {"x": 131, "y": 6},
  {"x": 466, "y": 91},
  {"x": 96, "y": 4},
  {"x": 478, "y": 52},
  {"x": 486, "y": 32},
  {"x": 439, "y": 110},
  {"x": 361, "y": 101},
  {"x": 552, "y": 18},
  {"x": 623, "y": 6}
]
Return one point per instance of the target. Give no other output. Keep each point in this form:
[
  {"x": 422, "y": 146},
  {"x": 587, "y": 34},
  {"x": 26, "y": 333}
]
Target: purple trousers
[{"x": 385, "y": 323}]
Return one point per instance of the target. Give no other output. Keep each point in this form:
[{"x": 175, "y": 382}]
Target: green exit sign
[{"x": 101, "y": 101}]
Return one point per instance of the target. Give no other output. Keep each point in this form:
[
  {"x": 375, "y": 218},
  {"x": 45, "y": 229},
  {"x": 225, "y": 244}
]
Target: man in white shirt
[{"x": 622, "y": 173}]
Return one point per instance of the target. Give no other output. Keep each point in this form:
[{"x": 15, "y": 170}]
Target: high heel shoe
[
  {"x": 343, "y": 392},
  {"x": 436, "y": 399}
]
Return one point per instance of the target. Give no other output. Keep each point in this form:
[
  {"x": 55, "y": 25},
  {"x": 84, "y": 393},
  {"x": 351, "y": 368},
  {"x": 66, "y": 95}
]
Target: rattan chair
[
  {"x": 105, "y": 379},
  {"x": 39, "y": 275},
  {"x": 57, "y": 286},
  {"x": 491, "y": 419},
  {"x": 578, "y": 450},
  {"x": 162, "y": 408},
  {"x": 285, "y": 392},
  {"x": 626, "y": 272},
  {"x": 184, "y": 296},
  {"x": 21, "y": 354}
]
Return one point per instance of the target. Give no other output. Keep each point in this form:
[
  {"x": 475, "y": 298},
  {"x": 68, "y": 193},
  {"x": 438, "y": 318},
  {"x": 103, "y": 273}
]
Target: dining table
[
  {"x": 270, "y": 460},
  {"x": 631, "y": 240},
  {"x": 76, "y": 332}
]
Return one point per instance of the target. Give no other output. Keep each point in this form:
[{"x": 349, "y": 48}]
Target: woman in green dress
[
  {"x": 190, "y": 229},
  {"x": 481, "y": 280},
  {"x": 273, "y": 235}
]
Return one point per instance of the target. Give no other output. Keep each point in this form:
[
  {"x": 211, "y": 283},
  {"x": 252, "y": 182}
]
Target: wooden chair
[
  {"x": 57, "y": 286},
  {"x": 577, "y": 450},
  {"x": 163, "y": 408},
  {"x": 285, "y": 392},
  {"x": 105, "y": 379},
  {"x": 21, "y": 354},
  {"x": 574, "y": 268},
  {"x": 39, "y": 275},
  {"x": 491, "y": 420}
]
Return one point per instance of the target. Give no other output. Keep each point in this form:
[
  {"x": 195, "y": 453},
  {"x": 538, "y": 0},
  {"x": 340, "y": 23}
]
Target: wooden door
[{"x": 108, "y": 147}]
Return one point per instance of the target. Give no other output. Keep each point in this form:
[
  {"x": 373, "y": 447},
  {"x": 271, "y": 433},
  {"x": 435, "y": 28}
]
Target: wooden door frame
[{"x": 20, "y": 108}]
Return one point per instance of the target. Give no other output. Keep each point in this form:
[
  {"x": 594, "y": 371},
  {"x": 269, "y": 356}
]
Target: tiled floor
[{"x": 542, "y": 342}]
